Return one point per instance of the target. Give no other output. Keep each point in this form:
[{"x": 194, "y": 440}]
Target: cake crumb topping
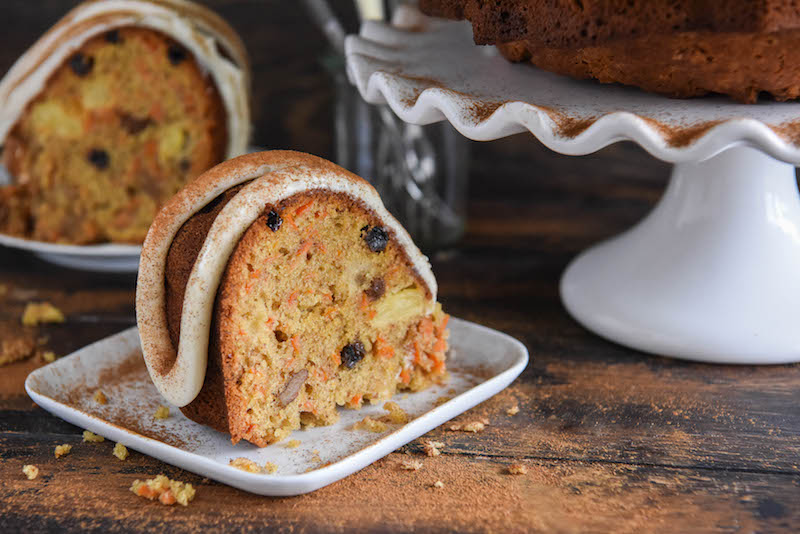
[
  {"x": 438, "y": 484},
  {"x": 41, "y": 312},
  {"x": 120, "y": 451},
  {"x": 162, "y": 412},
  {"x": 397, "y": 415},
  {"x": 411, "y": 465},
  {"x": 91, "y": 437},
  {"x": 245, "y": 464},
  {"x": 167, "y": 491},
  {"x": 514, "y": 410},
  {"x": 292, "y": 444},
  {"x": 62, "y": 450},
  {"x": 31, "y": 471},
  {"x": 49, "y": 356}
]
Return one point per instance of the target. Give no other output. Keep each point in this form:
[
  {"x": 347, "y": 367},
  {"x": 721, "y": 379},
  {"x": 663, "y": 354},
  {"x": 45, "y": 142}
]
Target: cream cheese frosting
[
  {"x": 276, "y": 175},
  {"x": 214, "y": 44}
]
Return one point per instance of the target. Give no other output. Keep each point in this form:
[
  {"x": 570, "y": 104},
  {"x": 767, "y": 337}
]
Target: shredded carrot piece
[
  {"x": 356, "y": 400},
  {"x": 270, "y": 321},
  {"x": 426, "y": 329},
  {"x": 302, "y": 209},
  {"x": 256, "y": 273},
  {"x": 323, "y": 213},
  {"x": 289, "y": 363},
  {"x": 321, "y": 247},
  {"x": 242, "y": 333},
  {"x": 383, "y": 348},
  {"x": 250, "y": 429},
  {"x": 373, "y": 313},
  {"x": 329, "y": 313},
  {"x": 364, "y": 301},
  {"x": 295, "y": 344},
  {"x": 405, "y": 376},
  {"x": 289, "y": 219},
  {"x": 337, "y": 359},
  {"x": 292, "y": 298},
  {"x": 328, "y": 296},
  {"x": 445, "y": 321},
  {"x": 438, "y": 366},
  {"x": 305, "y": 247},
  {"x": 440, "y": 345},
  {"x": 417, "y": 353}
]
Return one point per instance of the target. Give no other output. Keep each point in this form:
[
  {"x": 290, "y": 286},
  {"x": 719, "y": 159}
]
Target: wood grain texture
[{"x": 614, "y": 440}]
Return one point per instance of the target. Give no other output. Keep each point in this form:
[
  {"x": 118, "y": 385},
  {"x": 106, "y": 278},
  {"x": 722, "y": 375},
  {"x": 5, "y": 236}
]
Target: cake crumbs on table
[
  {"x": 438, "y": 484},
  {"x": 514, "y": 410},
  {"x": 433, "y": 448},
  {"x": 30, "y": 471},
  {"x": 62, "y": 450},
  {"x": 517, "y": 469},
  {"x": 292, "y": 444},
  {"x": 167, "y": 491},
  {"x": 397, "y": 415},
  {"x": 245, "y": 464},
  {"x": 40, "y": 313},
  {"x": 49, "y": 356},
  {"x": 100, "y": 397},
  {"x": 441, "y": 400},
  {"x": 120, "y": 451},
  {"x": 411, "y": 465},
  {"x": 371, "y": 425},
  {"x": 162, "y": 412},
  {"x": 270, "y": 468},
  {"x": 91, "y": 437},
  {"x": 474, "y": 426}
]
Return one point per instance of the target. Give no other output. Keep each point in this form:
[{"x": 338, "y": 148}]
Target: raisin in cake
[
  {"x": 276, "y": 287},
  {"x": 112, "y": 111},
  {"x": 680, "y": 48}
]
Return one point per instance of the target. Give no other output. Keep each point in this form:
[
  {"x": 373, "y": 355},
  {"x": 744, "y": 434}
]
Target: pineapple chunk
[
  {"x": 95, "y": 94},
  {"x": 51, "y": 119},
  {"x": 173, "y": 140},
  {"x": 399, "y": 307}
]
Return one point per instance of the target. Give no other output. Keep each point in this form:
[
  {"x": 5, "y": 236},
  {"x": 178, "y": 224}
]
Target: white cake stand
[{"x": 713, "y": 272}]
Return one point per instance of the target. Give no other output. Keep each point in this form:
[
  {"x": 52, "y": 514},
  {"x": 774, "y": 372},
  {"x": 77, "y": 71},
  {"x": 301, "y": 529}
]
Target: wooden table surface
[{"x": 614, "y": 440}]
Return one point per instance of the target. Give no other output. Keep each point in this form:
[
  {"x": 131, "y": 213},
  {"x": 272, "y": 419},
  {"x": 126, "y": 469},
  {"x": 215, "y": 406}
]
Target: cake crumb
[
  {"x": 31, "y": 471},
  {"x": 517, "y": 469},
  {"x": 91, "y": 437},
  {"x": 120, "y": 451},
  {"x": 49, "y": 356},
  {"x": 162, "y": 412},
  {"x": 474, "y": 426},
  {"x": 433, "y": 448},
  {"x": 441, "y": 400},
  {"x": 411, "y": 465},
  {"x": 100, "y": 397},
  {"x": 292, "y": 444},
  {"x": 167, "y": 491},
  {"x": 438, "y": 484},
  {"x": 62, "y": 450},
  {"x": 41, "y": 312},
  {"x": 514, "y": 410},
  {"x": 397, "y": 415},
  {"x": 245, "y": 465},
  {"x": 270, "y": 468},
  {"x": 371, "y": 425}
]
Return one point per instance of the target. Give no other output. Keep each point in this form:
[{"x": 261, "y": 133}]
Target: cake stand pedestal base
[{"x": 711, "y": 274}]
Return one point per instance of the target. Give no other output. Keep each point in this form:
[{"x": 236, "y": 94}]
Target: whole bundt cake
[
  {"x": 276, "y": 287},
  {"x": 112, "y": 111},
  {"x": 680, "y": 48}
]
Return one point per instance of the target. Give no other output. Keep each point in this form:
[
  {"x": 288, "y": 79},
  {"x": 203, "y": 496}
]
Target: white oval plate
[{"x": 482, "y": 362}]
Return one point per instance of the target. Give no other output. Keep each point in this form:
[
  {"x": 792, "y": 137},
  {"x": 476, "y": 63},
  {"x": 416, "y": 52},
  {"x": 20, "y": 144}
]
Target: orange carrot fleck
[
  {"x": 445, "y": 321},
  {"x": 373, "y": 313},
  {"x": 292, "y": 298},
  {"x": 167, "y": 498},
  {"x": 356, "y": 400},
  {"x": 438, "y": 366},
  {"x": 295, "y": 344},
  {"x": 364, "y": 301},
  {"x": 289, "y": 363},
  {"x": 440, "y": 345},
  {"x": 405, "y": 376},
  {"x": 250, "y": 429},
  {"x": 289, "y": 219},
  {"x": 417, "y": 353},
  {"x": 256, "y": 273},
  {"x": 304, "y": 248},
  {"x": 322, "y": 214},
  {"x": 384, "y": 349},
  {"x": 329, "y": 313},
  {"x": 270, "y": 321},
  {"x": 328, "y": 296},
  {"x": 302, "y": 209},
  {"x": 337, "y": 359},
  {"x": 242, "y": 333}
]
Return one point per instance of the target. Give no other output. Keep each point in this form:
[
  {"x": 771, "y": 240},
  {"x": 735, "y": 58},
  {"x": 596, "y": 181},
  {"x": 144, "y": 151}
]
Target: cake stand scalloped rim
[{"x": 368, "y": 68}]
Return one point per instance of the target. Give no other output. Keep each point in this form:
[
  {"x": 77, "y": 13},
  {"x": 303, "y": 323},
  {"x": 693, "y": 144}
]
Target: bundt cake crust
[
  {"x": 683, "y": 65},
  {"x": 174, "y": 369},
  {"x": 570, "y": 23}
]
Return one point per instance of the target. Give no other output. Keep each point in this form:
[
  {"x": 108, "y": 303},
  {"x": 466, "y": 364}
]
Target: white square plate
[{"x": 481, "y": 363}]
